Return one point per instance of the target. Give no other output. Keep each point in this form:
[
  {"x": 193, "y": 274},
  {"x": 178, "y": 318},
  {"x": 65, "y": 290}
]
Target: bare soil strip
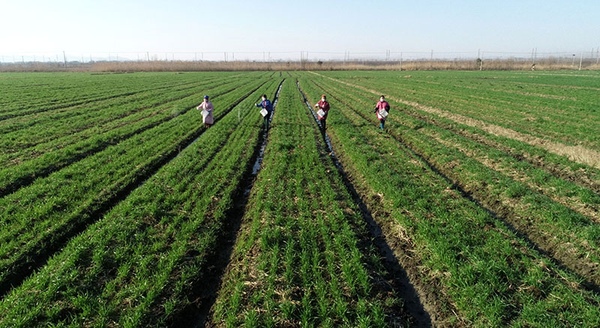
[{"x": 577, "y": 153}]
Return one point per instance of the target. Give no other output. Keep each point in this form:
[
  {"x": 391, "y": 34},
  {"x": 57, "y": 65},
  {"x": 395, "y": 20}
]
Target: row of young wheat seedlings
[
  {"x": 61, "y": 152},
  {"x": 588, "y": 178},
  {"x": 574, "y": 194},
  {"x": 32, "y": 130},
  {"x": 539, "y": 147},
  {"x": 494, "y": 102},
  {"x": 136, "y": 265},
  {"x": 297, "y": 259},
  {"x": 33, "y": 95},
  {"x": 566, "y": 120},
  {"x": 521, "y": 108},
  {"x": 57, "y": 87},
  {"x": 37, "y": 218},
  {"x": 567, "y": 235},
  {"x": 490, "y": 275},
  {"x": 22, "y": 91}
]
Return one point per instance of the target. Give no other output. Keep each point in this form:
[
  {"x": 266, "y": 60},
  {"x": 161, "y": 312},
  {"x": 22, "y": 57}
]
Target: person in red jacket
[
  {"x": 323, "y": 106},
  {"x": 382, "y": 108}
]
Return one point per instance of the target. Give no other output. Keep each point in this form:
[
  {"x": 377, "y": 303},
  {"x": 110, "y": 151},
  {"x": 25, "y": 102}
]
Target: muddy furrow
[
  {"x": 206, "y": 288},
  {"x": 397, "y": 278}
]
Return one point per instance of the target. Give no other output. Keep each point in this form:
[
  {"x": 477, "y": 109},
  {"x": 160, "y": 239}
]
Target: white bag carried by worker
[
  {"x": 383, "y": 113},
  {"x": 321, "y": 113},
  {"x": 264, "y": 112},
  {"x": 204, "y": 113}
]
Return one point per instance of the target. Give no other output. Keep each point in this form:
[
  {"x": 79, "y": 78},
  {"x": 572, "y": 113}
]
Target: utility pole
[
  {"x": 65, "y": 58},
  {"x": 481, "y": 62},
  {"x": 597, "y": 55},
  {"x": 400, "y": 61},
  {"x": 580, "y": 60},
  {"x": 573, "y": 62}
]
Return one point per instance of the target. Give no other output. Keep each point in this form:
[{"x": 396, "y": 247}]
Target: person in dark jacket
[
  {"x": 266, "y": 104},
  {"x": 322, "y": 105},
  {"x": 382, "y": 108}
]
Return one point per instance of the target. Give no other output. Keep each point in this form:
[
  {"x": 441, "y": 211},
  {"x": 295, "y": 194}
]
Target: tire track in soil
[
  {"x": 30, "y": 263},
  {"x": 534, "y": 240},
  {"x": 398, "y": 279},
  {"x": 206, "y": 289}
]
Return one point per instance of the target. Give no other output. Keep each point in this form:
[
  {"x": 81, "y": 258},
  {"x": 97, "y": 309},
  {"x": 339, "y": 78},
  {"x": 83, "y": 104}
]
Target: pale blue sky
[{"x": 84, "y": 26}]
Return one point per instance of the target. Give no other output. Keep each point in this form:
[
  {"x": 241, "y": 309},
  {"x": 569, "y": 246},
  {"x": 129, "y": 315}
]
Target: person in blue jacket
[{"x": 266, "y": 104}]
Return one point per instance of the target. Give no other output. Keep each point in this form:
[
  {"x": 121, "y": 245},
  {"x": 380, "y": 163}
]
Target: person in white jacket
[{"x": 207, "y": 106}]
